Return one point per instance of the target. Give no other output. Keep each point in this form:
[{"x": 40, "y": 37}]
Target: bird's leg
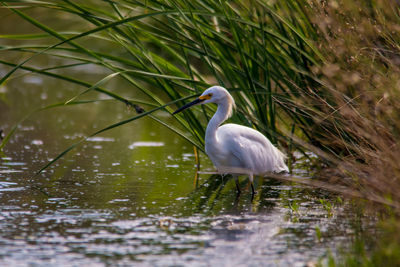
[
  {"x": 237, "y": 183},
  {"x": 253, "y": 192},
  {"x": 237, "y": 199}
]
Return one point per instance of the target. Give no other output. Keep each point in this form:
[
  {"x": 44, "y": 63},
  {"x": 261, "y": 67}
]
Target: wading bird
[{"x": 234, "y": 148}]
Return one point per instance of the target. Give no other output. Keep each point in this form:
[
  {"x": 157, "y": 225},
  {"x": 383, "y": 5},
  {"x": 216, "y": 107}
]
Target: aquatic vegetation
[
  {"x": 361, "y": 50},
  {"x": 262, "y": 56}
]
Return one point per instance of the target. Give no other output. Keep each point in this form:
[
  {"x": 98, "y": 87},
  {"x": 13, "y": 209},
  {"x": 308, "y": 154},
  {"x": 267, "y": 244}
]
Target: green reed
[{"x": 168, "y": 50}]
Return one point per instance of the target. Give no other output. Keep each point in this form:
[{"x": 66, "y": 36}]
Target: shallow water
[{"x": 119, "y": 218}]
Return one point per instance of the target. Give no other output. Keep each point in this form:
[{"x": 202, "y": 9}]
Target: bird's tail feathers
[{"x": 280, "y": 164}]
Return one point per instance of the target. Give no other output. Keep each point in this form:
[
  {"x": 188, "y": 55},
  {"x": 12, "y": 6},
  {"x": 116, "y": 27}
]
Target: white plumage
[{"x": 234, "y": 148}]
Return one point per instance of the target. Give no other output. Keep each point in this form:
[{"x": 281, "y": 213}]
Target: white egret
[{"x": 234, "y": 148}]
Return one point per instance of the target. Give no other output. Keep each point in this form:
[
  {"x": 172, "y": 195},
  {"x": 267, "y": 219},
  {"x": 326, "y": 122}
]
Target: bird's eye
[{"x": 210, "y": 95}]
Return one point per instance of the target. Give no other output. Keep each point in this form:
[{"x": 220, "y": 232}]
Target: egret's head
[{"x": 214, "y": 94}]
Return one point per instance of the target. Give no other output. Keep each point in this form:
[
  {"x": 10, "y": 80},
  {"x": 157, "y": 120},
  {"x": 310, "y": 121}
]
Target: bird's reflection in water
[{"x": 217, "y": 194}]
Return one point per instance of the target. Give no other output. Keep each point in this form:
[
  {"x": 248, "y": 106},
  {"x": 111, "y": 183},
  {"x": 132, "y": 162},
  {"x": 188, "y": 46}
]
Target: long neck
[{"x": 219, "y": 117}]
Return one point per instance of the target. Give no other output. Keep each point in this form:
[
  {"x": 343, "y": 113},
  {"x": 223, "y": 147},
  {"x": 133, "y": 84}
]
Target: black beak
[{"x": 197, "y": 101}]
